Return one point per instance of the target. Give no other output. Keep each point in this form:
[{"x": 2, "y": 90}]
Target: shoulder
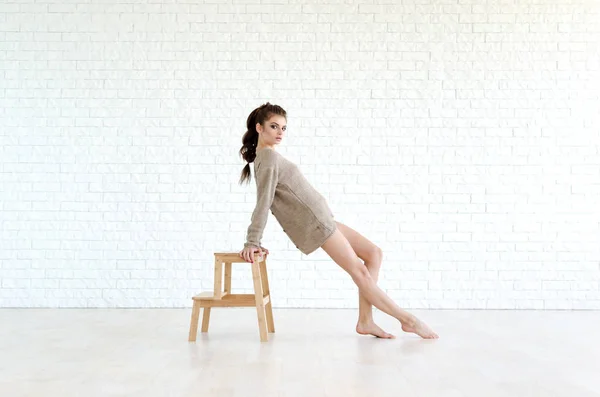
[{"x": 269, "y": 156}]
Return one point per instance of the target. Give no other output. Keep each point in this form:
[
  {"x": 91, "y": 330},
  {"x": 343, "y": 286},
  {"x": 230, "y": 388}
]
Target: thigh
[
  {"x": 342, "y": 253},
  {"x": 363, "y": 247}
]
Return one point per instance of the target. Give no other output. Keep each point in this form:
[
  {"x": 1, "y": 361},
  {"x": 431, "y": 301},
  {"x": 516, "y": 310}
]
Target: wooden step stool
[{"x": 224, "y": 298}]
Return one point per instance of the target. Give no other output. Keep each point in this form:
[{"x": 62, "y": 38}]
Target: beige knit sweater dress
[{"x": 300, "y": 209}]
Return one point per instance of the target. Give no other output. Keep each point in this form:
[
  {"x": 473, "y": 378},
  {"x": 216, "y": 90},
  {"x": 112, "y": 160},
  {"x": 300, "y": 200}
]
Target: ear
[{"x": 258, "y": 128}]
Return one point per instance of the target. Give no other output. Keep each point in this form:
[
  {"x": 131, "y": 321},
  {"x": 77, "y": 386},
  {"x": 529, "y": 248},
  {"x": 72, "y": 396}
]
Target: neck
[{"x": 261, "y": 147}]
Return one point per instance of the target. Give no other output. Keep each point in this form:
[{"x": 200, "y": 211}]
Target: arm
[{"x": 266, "y": 182}]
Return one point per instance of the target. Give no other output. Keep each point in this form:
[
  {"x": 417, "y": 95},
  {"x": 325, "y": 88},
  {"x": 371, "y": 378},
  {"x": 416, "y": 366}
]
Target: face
[{"x": 272, "y": 131}]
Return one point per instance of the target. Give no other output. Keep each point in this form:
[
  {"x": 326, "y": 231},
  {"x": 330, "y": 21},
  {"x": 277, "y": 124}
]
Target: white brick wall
[{"x": 462, "y": 137}]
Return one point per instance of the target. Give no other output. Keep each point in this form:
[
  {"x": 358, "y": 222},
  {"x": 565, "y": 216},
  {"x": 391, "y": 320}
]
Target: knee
[{"x": 374, "y": 257}]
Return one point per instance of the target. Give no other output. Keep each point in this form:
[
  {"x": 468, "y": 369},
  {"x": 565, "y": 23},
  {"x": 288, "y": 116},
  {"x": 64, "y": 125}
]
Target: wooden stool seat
[{"x": 222, "y": 297}]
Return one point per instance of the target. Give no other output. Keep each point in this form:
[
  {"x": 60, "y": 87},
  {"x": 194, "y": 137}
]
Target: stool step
[
  {"x": 209, "y": 295},
  {"x": 229, "y": 300}
]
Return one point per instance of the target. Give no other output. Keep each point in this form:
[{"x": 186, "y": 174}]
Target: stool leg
[
  {"x": 267, "y": 292},
  {"x": 205, "y": 319},
  {"x": 218, "y": 287},
  {"x": 194, "y": 322},
  {"x": 228, "y": 278},
  {"x": 260, "y": 305}
]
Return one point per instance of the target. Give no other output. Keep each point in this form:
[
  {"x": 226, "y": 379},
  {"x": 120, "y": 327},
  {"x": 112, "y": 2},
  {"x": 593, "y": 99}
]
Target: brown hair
[{"x": 250, "y": 138}]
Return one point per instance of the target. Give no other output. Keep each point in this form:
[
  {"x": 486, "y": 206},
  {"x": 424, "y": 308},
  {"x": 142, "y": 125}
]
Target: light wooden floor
[{"x": 144, "y": 352}]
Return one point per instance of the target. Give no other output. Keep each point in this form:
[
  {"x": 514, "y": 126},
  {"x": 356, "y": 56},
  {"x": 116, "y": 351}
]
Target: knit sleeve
[{"x": 266, "y": 182}]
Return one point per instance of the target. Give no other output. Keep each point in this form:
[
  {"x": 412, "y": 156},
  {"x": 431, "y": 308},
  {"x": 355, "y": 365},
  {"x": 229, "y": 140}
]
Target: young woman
[{"x": 306, "y": 218}]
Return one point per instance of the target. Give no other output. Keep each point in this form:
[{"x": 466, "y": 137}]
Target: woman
[{"x": 307, "y": 220}]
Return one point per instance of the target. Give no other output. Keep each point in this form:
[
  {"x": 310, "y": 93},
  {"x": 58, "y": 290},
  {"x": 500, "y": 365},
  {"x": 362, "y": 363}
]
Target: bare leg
[
  {"x": 366, "y": 325},
  {"x": 340, "y": 250},
  {"x": 372, "y": 257}
]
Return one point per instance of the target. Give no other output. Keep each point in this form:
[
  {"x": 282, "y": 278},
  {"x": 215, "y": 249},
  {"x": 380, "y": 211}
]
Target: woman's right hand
[{"x": 248, "y": 253}]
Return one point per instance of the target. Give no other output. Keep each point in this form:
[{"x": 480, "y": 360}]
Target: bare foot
[
  {"x": 370, "y": 328},
  {"x": 420, "y": 328}
]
